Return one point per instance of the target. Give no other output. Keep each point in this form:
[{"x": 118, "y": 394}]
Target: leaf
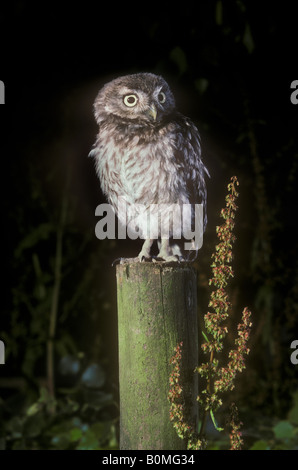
[
  {"x": 218, "y": 13},
  {"x": 93, "y": 376},
  {"x": 42, "y": 232},
  {"x": 100, "y": 429},
  {"x": 205, "y": 337},
  {"x": 33, "y": 409},
  {"x": 293, "y": 413},
  {"x": 214, "y": 422},
  {"x": 201, "y": 85},
  {"x": 64, "y": 427},
  {"x": 260, "y": 445},
  {"x": 97, "y": 399},
  {"x": 34, "y": 425},
  {"x": 284, "y": 430},
  {"x": 75, "y": 434},
  {"x": 177, "y": 55},
  {"x": 248, "y": 39},
  {"x": 60, "y": 442},
  {"x": 88, "y": 441},
  {"x": 69, "y": 365}
]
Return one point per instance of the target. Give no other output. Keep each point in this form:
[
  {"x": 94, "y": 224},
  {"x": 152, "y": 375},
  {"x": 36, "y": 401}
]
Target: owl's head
[{"x": 143, "y": 97}]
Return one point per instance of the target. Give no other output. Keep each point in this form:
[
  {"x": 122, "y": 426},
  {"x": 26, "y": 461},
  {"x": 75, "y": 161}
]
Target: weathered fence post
[{"x": 157, "y": 309}]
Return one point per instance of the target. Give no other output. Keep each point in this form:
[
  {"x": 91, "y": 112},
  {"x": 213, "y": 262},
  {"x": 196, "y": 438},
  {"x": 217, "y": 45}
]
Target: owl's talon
[
  {"x": 172, "y": 258},
  {"x": 167, "y": 259},
  {"x": 116, "y": 261},
  {"x": 146, "y": 259}
]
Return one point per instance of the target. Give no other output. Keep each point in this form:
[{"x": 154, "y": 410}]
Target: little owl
[{"x": 148, "y": 159}]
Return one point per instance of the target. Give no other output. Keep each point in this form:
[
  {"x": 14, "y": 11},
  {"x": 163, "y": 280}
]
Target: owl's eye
[
  {"x": 130, "y": 100},
  {"x": 161, "y": 97}
]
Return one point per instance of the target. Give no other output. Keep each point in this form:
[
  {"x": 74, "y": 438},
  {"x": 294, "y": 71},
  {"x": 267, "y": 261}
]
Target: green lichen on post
[{"x": 156, "y": 310}]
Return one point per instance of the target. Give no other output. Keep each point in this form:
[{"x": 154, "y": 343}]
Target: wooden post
[{"x": 157, "y": 309}]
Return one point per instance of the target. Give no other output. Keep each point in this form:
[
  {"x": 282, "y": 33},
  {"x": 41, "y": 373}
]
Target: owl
[{"x": 148, "y": 160}]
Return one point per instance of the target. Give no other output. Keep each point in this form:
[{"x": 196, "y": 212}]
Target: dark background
[{"x": 230, "y": 65}]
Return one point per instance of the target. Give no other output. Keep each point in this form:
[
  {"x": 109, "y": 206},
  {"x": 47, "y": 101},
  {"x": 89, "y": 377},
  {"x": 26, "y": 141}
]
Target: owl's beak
[{"x": 152, "y": 112}]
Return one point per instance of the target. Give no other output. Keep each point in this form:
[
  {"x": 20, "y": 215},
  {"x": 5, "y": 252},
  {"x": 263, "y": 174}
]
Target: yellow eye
[
  {"x": 161, "y": 97},
  {"x": 130, "y": 100}
]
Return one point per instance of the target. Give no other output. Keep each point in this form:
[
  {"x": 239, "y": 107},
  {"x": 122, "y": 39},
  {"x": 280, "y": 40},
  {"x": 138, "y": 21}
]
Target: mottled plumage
[{"x": 147, "y": 153}]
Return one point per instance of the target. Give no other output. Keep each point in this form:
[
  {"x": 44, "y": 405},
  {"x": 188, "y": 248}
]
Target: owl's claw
[
  {"x": 145, "y": 259},
  {"x": 116, "y": 261},
  {"x": 168, "y": 259}
]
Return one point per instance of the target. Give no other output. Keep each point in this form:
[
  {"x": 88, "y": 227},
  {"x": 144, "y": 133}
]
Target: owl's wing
[{"x": 188, "y": 153}]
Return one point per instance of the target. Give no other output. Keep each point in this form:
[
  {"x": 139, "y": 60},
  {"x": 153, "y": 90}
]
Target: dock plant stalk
[{"x": 218, "y": 379}]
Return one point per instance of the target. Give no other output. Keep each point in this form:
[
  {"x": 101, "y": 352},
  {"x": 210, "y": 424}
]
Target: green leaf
[
  {"x": 201, "y": 85},
  {"x": 260, "y": 445},
  {"x": 60, "y": 442},
  {"x": 205, "y": 337},
  {"x": 284, "y": 430},
  {"x": 100, "y": 429},
  {"x": 75, "y": 434},
  {"x": 215, "y": 423},
  {"x": 248, "y": 39},
  {"x": 33, "y": 409},
  {"x": 218, "y": 13},
  {"x": 178, "y": 56},
  {"x": 293, "y": 413},
  {"x": 88, "y": 441},
  {"x": 34, "y": 425}
]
